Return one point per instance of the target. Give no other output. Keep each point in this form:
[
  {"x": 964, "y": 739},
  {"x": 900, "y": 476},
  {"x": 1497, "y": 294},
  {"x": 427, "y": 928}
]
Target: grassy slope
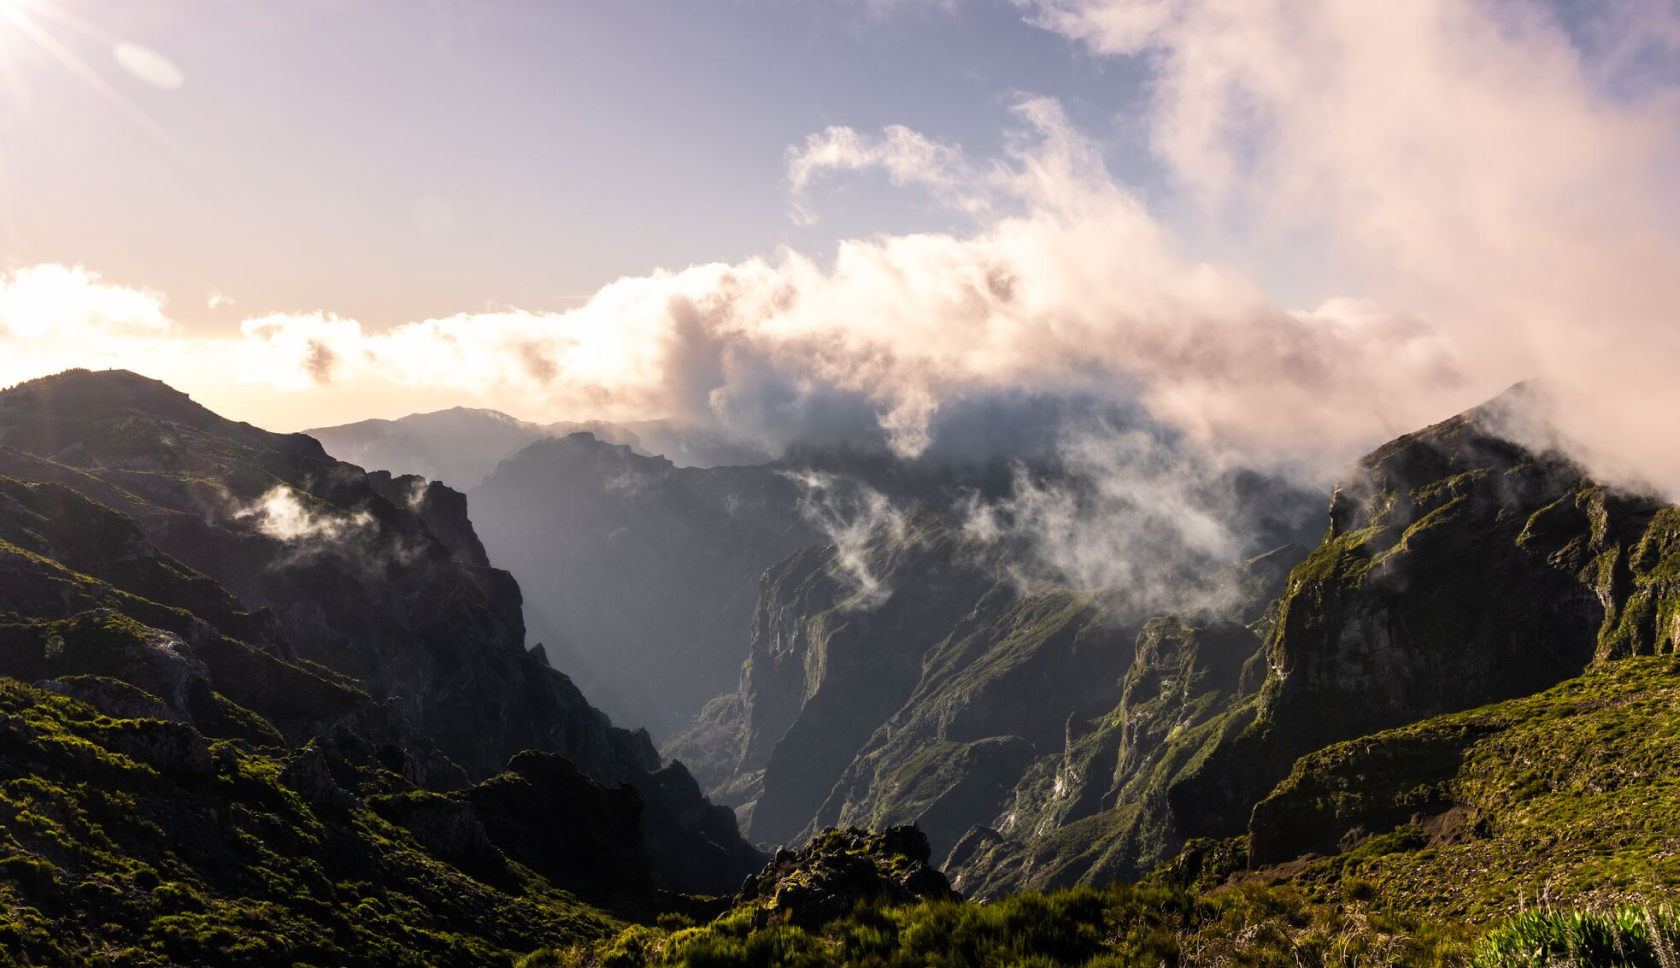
[
  {"x": 1567, "y": 798},
  {"x": 1572, "y": 795},
  {"x": 107, "y": 859}
]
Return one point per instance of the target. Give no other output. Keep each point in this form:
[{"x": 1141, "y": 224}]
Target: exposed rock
[
  {"x": 1460, "y": 569},
  {"x": 310, "y": 776},
  {"x": 448, "y": 827},
  {"x": 112, "y": 697},
  {"x": 173, "y": 748},
  {"x": 545, "y": 814},
  {"x": 839, "y": 869}
]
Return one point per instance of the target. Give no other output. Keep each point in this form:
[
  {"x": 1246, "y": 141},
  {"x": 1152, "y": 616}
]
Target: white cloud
[
  {"x": 908, "y": 158},
  {"x": 855, "y": 517},
  {"x": 1453, "y": 170},
  {"x": 282, "y": 515},
  {"x": 1510, "y": 183},
  {"x": 53, "y": 317}
]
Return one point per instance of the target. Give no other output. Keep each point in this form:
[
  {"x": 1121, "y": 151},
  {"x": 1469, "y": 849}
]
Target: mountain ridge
[{"x": 314, "y": 561}]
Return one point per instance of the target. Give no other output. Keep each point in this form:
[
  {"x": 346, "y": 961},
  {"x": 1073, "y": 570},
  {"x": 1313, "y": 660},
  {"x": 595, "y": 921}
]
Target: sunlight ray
[{"x": 17, "y": 13}]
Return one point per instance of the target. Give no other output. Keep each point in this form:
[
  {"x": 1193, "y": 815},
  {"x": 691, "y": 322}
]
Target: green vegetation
[
  {"x": 116, "y": 847},
  {"x": 1142, "y": 925},
  {"x": 1572, "y": 793},
  {"x": 1624, "y": 937}
]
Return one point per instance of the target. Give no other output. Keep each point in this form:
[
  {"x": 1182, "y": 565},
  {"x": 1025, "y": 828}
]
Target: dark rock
[
  {"x": 309, "y": 774},
  {"x": 172, "y": 748},
  {"x": 448, "y": 827},
  {"x": 544, "y": 813},
  {"x": 839, "y": 869}
]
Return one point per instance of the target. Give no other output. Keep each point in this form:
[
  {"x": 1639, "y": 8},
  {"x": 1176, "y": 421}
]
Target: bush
[{"x": 1627, "y": 937}]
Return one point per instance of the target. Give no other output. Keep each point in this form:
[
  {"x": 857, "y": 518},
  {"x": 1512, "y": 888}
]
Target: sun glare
[{"x": 64, "y": 38}]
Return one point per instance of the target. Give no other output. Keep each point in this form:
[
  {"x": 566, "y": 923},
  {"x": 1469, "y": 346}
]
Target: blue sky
[{"x": 552, "y": 145}]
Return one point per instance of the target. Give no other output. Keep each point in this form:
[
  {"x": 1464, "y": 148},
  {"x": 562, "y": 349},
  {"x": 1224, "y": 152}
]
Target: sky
[
  {"x": 390, "y": 160},
  {"x": 1286, "y": 229}
]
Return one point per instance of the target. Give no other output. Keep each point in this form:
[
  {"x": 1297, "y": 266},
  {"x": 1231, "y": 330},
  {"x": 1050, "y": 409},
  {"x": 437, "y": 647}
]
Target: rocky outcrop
[
  {"x": 1460, "y": 568},
  {"x": 543, "y": 813},
  {"x": 1097, "y": 810},
  {"x": 840, "y": 869},
  {"x": 947, "y": 693}
]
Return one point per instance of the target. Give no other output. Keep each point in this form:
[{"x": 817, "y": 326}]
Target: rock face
[
  {"x": 944, "y": 692},
  {"x": 1043, "y": 736},
  {"x": 838, "y": 870},
  {"x": 248, "y": 583},
  {"x": 640, "y": 575},
  {"x": 1459, "y": 568}
]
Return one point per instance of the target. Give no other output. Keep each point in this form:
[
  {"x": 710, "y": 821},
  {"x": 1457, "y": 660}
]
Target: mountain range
[{"x": 259, "y": 705}]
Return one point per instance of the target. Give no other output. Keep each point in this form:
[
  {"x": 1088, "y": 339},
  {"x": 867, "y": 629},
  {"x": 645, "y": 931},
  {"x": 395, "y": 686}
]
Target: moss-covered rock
[{"x": 840, "y": 869}]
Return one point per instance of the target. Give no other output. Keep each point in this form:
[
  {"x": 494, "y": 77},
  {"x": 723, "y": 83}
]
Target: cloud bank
[{"x": 1483, "y": 195}]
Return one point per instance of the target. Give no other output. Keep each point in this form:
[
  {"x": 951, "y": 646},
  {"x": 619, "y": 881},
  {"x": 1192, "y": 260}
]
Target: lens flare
[{"x": 49, "y": 28}]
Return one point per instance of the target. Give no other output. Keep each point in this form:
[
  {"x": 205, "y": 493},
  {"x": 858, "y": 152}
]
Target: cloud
[
  {"x": 1138, "y": 515},
  {"x": 908, "y": 157},
  {"x": 54, "y": 317},
  {"x": 282, "y": 515},
  {"x": 1480, "y": 196},
  {"x": 1067, "y": 285},
  {"x": 1507, "y": 179},
  {"x": 855, "y": 517}
]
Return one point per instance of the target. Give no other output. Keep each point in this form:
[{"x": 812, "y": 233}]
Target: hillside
[
  {"x": 251, "y": 577},
  {"x": 131, "y": 840},
  {"x": 1458, "y": 569}
]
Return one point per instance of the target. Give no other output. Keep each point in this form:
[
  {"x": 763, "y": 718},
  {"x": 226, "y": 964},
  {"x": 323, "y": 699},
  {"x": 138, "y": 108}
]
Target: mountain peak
[{"x": 80, "y": 395}]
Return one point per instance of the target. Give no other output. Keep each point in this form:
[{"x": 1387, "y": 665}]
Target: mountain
[
  {"x": 640, "y": 575},
  {"x": 1044, "y": 736},
  {"x": 260, "y": 707},
  {"x": 462, "y": 446},
  {"x": 247, "y": 584},
  {"x": 1536, "y": 831},
  {"x": 1459, "y": 568},
  {"x": 935, "y": 705},
  {"x": 459, "y": 447}
]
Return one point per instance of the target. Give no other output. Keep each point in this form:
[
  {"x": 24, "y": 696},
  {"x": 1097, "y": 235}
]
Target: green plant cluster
[
  {"x": 1573, "y": 793},
  {"x": 113, "y": 852},
  {"x": 1150, "y": 924},
  {"x": 1631, "y": 936}
]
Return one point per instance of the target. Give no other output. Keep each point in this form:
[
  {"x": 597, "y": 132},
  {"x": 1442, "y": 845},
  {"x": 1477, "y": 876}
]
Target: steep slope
[
  {"x": 261, "y": 571},
  {"x": 459, "y": 446},
  {"x": 140, "y": 841},
  {"x": 1572, "y": 793},
  {"x": 1532, "y": 832},
  {"x": 640, "y": 575},
  {"x": 1459, "y": 568},
  {"x": 941, "y": 689}
]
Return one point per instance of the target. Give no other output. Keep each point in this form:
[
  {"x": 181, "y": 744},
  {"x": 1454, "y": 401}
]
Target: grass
[{"x": 106, "y": 859}]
